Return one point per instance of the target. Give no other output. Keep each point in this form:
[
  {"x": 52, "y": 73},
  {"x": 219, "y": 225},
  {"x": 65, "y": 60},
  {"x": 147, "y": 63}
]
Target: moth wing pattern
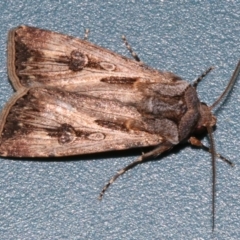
[
  {"x": 40, "y": 57},
  {"x": 43, "y": 122}
]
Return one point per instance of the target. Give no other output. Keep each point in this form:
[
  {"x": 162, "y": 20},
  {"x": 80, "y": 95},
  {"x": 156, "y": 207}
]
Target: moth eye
[
  {"x": 66, "y": 134},
  {"x": 107, "y": 66},
  {"x": 78, "y": 60}
]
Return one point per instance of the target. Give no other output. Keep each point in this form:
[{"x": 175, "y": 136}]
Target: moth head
[{"x": 207, "y": 119}]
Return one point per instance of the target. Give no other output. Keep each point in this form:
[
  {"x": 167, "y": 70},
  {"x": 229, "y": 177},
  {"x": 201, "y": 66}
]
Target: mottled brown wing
[
  {"x": 42, "y": 122},
  {"x": 74, "y": 97},
  {"x": 38, "y": 57}
]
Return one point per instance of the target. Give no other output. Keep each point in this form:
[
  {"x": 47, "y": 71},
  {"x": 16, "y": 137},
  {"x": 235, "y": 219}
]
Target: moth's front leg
[
  {"x": 197, "y": 143},
  {"x": 154, "y": 153}
]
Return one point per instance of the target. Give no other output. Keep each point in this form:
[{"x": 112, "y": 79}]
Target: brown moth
[{"x": 73, "y": 97}]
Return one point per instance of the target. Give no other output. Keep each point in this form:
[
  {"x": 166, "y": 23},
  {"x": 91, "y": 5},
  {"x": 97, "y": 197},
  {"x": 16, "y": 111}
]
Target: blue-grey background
[{"x": 165, "y": 199}]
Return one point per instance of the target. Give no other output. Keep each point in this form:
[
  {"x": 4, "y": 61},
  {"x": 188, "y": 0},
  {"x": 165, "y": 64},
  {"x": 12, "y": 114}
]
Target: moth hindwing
[{"x": 73, "y": 97}]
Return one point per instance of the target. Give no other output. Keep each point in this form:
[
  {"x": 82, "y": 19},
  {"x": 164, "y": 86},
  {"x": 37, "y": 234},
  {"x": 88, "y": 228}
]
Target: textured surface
[{"x": 164, "y": 199}]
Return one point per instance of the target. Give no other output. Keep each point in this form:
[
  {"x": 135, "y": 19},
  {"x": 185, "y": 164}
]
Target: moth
[{"x": 73, "y": 97}]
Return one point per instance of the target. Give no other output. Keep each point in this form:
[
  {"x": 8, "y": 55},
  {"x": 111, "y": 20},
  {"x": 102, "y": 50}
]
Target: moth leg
[
  {"x": 197, "y": 143},
  {"x": 134, "y": 55},
  {"x": 154, "y": 153},
  {"x": 86, "y": 34},
  {"x": 199, "y": 79}
]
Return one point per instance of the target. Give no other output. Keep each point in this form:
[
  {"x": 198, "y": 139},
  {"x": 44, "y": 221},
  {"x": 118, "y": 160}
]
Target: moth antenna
[
  {"x": 155, "y": 152},
  {"x": 212, "y": 144},
  {"x": 200, "y": 78},
  {"x": 86, "y": 34},
  {"x": 229, "y": 86},
  {"x": 134, "y": 55},
  {"x": 213, "y": 154}
]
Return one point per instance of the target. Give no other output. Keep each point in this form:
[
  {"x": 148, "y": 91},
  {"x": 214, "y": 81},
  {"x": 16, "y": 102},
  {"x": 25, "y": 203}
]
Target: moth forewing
[
  {"x": 38, "y": 57},
  {"x": 45, "y": 122},
  {"x": 76, "y": 98}
]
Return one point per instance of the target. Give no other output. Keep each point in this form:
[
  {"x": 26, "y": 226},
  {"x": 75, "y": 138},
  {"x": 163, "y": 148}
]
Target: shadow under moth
[{"x": 73, "y": 97}]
